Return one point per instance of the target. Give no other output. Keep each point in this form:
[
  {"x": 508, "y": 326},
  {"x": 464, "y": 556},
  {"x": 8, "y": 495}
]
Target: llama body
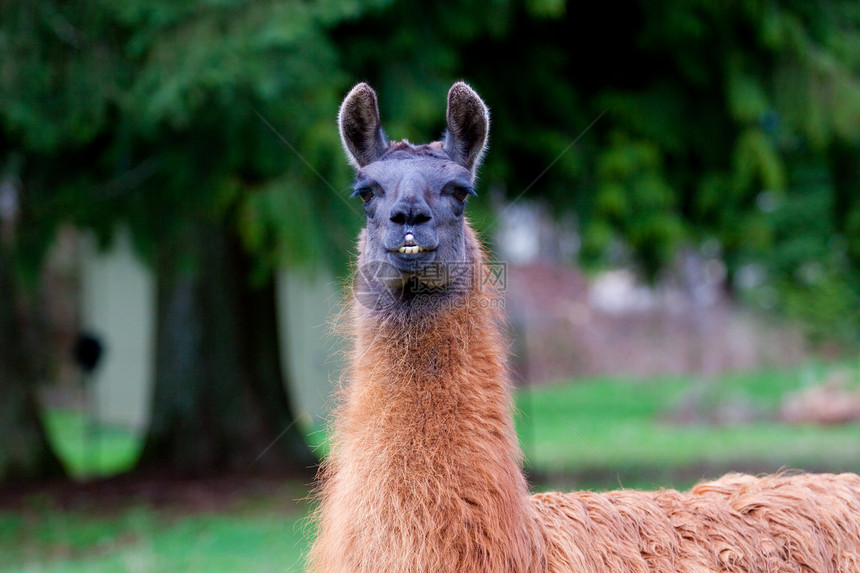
[
  {"x": 739, "y": 524},
  {"x": 424, "y": 473}
]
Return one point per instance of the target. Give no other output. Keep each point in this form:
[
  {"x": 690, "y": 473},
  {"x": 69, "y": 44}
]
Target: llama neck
[
  {"x": 425, "y": 464},
  {"x": 419, "y": 381}
]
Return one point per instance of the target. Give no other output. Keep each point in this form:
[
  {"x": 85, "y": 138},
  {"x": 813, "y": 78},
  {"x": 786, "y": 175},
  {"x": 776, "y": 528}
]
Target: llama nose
[
  {"x": 410, "y": 214},
  {"x": 409, "y": 240}
]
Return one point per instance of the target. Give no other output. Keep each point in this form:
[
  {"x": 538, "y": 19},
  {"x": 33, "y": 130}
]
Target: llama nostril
[
  {"x": 410, "y": 214},
  {"x": 419, "y": 218}
]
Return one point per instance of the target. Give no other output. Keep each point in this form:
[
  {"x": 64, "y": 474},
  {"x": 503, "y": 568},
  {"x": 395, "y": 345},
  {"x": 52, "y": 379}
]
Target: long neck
[
  {"x": 424, "y": 474},
  {"x": 429, "y": 390}
]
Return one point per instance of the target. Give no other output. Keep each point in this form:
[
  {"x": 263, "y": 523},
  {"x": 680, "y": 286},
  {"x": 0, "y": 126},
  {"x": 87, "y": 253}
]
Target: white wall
[
  {"x": 311, "y": 353},
  {"x": 118, "y": 305}
]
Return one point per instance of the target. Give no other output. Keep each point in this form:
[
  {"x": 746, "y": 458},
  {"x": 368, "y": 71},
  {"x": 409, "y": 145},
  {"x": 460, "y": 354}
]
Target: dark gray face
[
  {"x": 414, "y": 196},
  {"x": 414, "y": 208}
]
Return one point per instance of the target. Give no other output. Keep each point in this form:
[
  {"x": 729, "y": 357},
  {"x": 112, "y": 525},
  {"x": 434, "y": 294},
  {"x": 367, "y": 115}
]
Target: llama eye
[
  {"x": 366, "y": 193},
  {"x": 461, "y": 193}
]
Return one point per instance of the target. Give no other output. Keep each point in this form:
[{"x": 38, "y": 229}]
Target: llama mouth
[
  {"x": 410, "y": 246},
  {"x": 411, "y": 259},
  {"x": 411, "y": 249}
]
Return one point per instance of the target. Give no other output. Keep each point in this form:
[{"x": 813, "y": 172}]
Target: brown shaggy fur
[
  {"x": 424, "y": 475},
  {"x": 738, "y": 523}
]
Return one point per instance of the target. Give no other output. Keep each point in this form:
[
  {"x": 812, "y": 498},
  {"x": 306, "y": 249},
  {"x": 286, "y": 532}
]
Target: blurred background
[{"x": 672, "y": 189}]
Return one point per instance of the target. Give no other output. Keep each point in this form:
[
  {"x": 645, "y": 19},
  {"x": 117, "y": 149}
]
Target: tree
[
  {"x": 226, "y": 205},
  {"x": 25, "y": 453},
  {"x": 688, "y": 119},
  {"x": 53, "y": 107},
  {"x": 207, "y": 128},
  {"x": 167, "y": 118}
]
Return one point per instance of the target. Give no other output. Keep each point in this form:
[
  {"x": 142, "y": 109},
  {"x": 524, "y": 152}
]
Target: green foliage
[
  {"x": 245, "y": 87},
  {"x": 704, "y": 105},
  {"x": 58, "y": 75},
  {"x": 808, "y": 273},
  {"x": 634, "y": 198},
  {"x": 157, "y": 113}
]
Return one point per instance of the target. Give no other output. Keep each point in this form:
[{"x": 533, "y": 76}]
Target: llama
[{"x": 424, "y": 473}]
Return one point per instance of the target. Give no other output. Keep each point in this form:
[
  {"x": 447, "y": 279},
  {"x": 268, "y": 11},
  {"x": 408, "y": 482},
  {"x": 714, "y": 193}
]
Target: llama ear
[
  {"x": 468, "y": 126},
  {"x": 360, "y": 128}
]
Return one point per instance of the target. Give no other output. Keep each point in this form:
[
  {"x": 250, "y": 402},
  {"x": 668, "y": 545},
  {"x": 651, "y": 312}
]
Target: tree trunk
[
  {"x": 220, "y": 401},
  {"x": 846, "y": 179},
  {"x": 25, "y": 452}
]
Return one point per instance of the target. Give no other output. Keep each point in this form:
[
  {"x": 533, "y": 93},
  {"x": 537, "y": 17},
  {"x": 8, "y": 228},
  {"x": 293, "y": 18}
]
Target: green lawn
[
  {"x": 606, "y": 432},
  {"x": 253, "y": 536},
  {"x": 91, "y": 450},
  {"x": 598, "y": 434}
]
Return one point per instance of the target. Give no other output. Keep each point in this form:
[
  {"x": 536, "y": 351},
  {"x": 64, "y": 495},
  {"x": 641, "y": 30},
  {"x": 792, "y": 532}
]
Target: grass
[
  {"x": 89, "y": 451},
  {"x": 596, "y": 434},
  {"x": 256, "y": 533},
  {"x": 607, "y": 432},
  {"x": 254, "y": 536}
]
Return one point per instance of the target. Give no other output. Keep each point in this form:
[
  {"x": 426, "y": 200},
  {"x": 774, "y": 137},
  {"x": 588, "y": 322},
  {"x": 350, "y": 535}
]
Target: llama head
[{"x": 416, "y": 240}]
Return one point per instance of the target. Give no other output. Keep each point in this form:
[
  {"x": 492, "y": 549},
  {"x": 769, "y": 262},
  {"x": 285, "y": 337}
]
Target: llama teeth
[{"x": 410, "y": 250}]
